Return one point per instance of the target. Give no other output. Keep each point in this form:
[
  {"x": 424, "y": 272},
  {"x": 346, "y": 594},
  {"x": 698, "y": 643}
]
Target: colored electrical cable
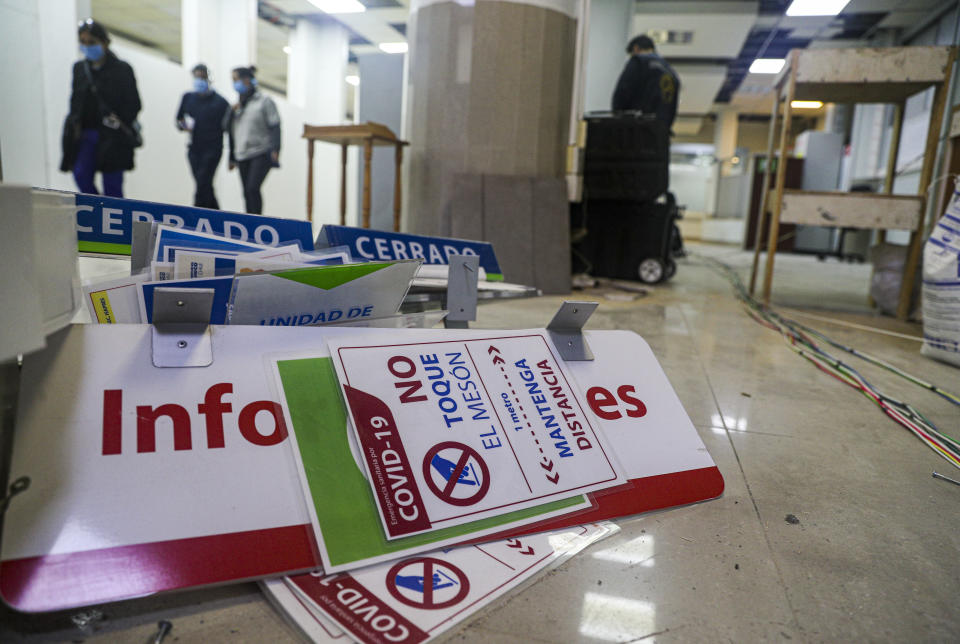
[{"x": 803, "y": 340}]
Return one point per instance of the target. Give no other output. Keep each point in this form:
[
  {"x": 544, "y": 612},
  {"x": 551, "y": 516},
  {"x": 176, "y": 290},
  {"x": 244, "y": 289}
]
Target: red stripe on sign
[
  {"x": 394, "y": 487},
  {"x": 358, "y": 611},
  {"x": 56, "y": 582},
  {"x": 634, "y": 497}
]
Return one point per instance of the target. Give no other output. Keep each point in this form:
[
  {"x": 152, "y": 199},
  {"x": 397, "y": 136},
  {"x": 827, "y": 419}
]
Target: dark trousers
[
  {"x": 85, "y": 167},
  {"x": 203, "y": 164},
  {"x": 252, "y": 173}
]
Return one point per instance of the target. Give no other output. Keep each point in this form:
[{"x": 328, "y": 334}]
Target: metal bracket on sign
[
  {"x": 566, "y": 330},
  {"x": 461, "y": 301},
  {"x": 181, "y": 327}
]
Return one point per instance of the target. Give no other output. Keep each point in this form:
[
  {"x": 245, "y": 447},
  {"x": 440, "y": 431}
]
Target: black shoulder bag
[{"x": 131, "y": 133}]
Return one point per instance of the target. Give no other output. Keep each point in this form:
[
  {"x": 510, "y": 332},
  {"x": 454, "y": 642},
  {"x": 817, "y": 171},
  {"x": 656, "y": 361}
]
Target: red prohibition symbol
[
  {"x": 427, "y": 576},
  {"x": 453, "y": 462}
]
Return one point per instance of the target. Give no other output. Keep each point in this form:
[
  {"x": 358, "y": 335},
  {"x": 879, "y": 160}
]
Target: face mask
[
  {"x": 200, "y": 85},
  {"x": 92, "y": 52},
  {"x": 239, "y": 86}
]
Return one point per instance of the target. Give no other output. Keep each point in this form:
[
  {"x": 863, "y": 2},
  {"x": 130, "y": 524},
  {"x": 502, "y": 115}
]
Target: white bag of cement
[{"x": 941, "y": 287}]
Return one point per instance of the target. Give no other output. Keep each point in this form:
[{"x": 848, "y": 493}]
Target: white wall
[
  {"x": 316, "y": 94},
  {"x": 39, "y": 48},
  {"x": 380, "y": 98},
  {"x": 694, "y": 186},
  {"x": 606, "y": 51},
  {"x": 34, "y": 102}
]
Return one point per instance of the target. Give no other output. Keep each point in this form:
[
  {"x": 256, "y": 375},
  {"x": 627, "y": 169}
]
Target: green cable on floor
[{"x": 798, "y": 338}]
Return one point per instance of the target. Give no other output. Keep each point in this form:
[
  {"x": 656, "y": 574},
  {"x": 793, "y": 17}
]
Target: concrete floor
[{"x": 873, "y": 557}]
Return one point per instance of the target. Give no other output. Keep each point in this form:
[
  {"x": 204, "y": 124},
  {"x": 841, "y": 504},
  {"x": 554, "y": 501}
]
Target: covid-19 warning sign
[{"x": 454, "y": 431}]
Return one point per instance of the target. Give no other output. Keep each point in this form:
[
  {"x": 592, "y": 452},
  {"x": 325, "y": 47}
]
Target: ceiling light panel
[
  {"x": 767, "y": 65},
  {"x": 816, "y": 7}
]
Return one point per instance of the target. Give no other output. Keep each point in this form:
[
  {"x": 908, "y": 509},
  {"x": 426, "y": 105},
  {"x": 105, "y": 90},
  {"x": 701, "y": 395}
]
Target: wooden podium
[{"x": 368, "y": 135}]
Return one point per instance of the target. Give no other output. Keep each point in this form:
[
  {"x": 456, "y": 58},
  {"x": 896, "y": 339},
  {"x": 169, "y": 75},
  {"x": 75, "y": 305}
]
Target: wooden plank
[
  {"x": 851, "y": 210},
  {"x": 367, "y": 160},
  {"x": 781, "y": 180},
  {"x": 343, "y": 183},
  {"x": 378, "y": 133},
  {"x": 933, "y": 141},
  {"x": 310, "y": 181},
  {"x": 762, "y": 215},
  {"x": 859, "y": 92},
  {"x": 397, "y": 187},
  {"x": 873, "y": 65},
  {"x": 926, "y": 176}
]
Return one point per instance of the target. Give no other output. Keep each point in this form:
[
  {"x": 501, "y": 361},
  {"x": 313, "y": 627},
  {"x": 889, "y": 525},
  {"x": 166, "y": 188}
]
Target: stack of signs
[
  {"x": 255, "y": 284},
  {"x": 414, "y": 600},
  {"x": 142, "y": 478},
  {"x": 462, "y": 435},
  {"x": 457, "y": 431}
]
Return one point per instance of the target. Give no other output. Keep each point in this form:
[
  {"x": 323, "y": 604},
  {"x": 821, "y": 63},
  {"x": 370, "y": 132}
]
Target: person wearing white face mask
[
  {"x": 201, "y": 113},
  {"x": 101, "y": 131},
  {"x": 254, "y": 128}
]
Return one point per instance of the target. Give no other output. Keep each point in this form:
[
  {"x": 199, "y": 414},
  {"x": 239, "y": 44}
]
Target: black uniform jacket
[{"x": 650, "y": 85}]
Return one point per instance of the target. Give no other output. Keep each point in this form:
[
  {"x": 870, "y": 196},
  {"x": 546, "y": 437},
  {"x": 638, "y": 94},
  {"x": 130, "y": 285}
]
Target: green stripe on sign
[
  {"x": 328, "y": 277},
  {"x": 494, "y": 277},
  {"x": 103, "y": 248},
  {"x": 341, "y": 495}
]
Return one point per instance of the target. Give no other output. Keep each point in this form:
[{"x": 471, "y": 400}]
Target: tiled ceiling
[
  {"x": 720, "y": 55},
  {"x": 154, "y": 23},
  {"x": 774, "y": 34}
]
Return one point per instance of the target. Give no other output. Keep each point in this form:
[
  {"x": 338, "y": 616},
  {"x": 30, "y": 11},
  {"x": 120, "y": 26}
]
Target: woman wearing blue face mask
[
  {"x": 254, "y": 128},
  {"x": 206, "y": 110},
  {"x": 100, "y": 131}
]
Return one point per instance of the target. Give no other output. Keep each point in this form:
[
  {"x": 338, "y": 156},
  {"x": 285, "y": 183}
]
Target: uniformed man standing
[{"x": 648, "y": 83}]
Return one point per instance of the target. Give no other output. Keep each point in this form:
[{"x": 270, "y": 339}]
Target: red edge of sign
[
  {"x": 35, "y": 584},
  {"x": 633, "y": 497}
]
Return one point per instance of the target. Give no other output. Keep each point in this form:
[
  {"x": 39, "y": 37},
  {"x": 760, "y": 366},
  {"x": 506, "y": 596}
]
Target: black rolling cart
[{"x": 628, "y": 212}]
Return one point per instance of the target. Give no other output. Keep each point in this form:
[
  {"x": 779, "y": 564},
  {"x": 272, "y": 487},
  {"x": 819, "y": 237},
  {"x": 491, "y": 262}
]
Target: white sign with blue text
[{"x": 321, "y": 294}]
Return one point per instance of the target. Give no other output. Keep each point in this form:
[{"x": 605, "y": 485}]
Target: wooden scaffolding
[{"x": 861, "y": 75}]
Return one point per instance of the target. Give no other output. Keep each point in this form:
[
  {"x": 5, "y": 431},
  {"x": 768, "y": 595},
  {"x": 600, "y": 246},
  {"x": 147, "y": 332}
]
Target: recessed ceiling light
[
  {"x": 338, "y": 6},
  {"x": 286, "y": 49},
  {"x": 394, "y": 47},
  {"x": 353, "y": 79},
  {"x": 816, "y": 7},
  {"x": 806, "y": 105},
  {"x": 767, "y": 66}
]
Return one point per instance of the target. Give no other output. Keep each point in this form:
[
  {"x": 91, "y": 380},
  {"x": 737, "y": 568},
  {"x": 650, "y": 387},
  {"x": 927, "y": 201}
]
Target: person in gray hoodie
[{"x": 254, "y": 128}]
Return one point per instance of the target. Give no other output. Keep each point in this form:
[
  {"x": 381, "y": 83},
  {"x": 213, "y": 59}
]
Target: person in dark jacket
[
  {"x": 254, "y": 128},
  {"x": 100, "y": 131},
  {"x": 648, "y": 83},
  {"x": 205, "y": 110}
]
